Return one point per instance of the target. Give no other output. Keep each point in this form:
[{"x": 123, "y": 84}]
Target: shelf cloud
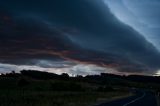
[{"x": 78, "y": 31}]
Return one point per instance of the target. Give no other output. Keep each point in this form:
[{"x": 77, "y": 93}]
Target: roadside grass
[
  {"x": 30, "y": 92},
  {"x": 54, "y": 98}
]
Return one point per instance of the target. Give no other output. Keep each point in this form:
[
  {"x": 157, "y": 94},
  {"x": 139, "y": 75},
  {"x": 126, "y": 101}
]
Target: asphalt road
[{"x": 142, "y": 98}]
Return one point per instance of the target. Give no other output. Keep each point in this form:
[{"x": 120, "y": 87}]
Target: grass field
[
  {"x": 51, "y": 98},
  {"x": 29, "y": 92}
]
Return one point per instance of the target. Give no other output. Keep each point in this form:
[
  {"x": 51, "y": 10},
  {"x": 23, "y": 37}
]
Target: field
[
  {"x": 24, "y": 91},
  {"x": 34, "y": 88},
  {"x": 49, "y": 98}
]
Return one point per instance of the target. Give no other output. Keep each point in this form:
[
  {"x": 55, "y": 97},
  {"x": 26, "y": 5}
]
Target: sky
[
  {"x": 80, "y": 36},
  {"x": 142, "y": 15}
]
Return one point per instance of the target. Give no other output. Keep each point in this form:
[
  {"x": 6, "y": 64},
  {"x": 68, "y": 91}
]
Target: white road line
[{"x": 135, "y": 99}]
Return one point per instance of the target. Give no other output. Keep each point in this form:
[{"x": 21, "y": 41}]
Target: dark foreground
[
  {"x": 35, "y": 88},
  {"x": 142, "y": 98}
]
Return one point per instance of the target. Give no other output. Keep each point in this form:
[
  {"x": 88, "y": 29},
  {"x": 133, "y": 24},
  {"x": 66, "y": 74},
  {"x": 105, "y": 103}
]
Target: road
[{"x": 142, "y": 98}]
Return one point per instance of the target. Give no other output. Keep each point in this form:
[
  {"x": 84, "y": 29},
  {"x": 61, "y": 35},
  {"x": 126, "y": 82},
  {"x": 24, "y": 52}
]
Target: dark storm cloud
[{"x": 44, "y": 30}]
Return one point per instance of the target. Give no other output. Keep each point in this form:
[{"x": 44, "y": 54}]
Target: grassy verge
[
  {"x": 52, "y": 98},
  {"x": 30, "y": 92},
  {"x": 109, "y": 99}
]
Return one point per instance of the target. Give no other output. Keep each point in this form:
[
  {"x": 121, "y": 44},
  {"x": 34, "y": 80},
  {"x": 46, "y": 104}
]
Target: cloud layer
[{"x": 81, "y": 31}]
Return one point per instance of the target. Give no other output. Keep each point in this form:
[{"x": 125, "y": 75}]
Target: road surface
[{"x": 142, "y": 98}]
